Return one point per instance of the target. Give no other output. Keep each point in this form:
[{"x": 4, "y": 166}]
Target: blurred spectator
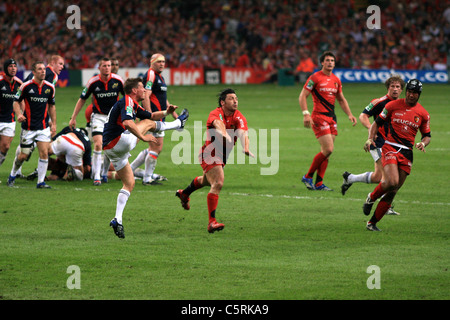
[{"x": 201, "y": 33}]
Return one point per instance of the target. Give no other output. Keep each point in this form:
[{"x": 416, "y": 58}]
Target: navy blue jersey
[
  {"x": 83, "y": 137},
  {"x": 105, "y": 94},
  {"x": 155, "y": 82},
  {"x": 125, "y": 109},
  {"x": 36, "y": 100},
  {"x": 8, "y": 92},
  {"x": 50, "y": 76},
  {"x": 373, "y": 110}
]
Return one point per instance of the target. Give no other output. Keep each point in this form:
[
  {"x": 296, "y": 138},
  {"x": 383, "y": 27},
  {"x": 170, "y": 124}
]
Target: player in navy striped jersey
[
  {"x": 9, "y": 84},
  {"x": 155, "y": 100},
  {"x": 106, "y": 89},
  {"x": 52, "y": 71},
  {"x": 394, "y": 85},
  {"x": 121, "y": 135},
  {"x": 39, "y": 99}
]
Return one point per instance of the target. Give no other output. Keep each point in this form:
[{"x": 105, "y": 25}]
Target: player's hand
[
  {"x": 307, "y": 121},
  {"x": 21, "y": 118},
  {"x": 72, "y": 123},
  {"x": 171, "y": 108},
  {"x": 369, "y": 143},
  {"x": 353, "y": 120},
  {"x": 150, "y": 138},
  {"x": 248, "y": 153},
  {"x": 53, "y": 129},
  {"x": 420, "y": 146}
]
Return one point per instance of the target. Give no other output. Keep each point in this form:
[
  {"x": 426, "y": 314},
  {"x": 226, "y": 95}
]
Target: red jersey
[
  {"x": 405, "y": 122},
  {"x": 219, "y": 149},
  {"x": 324, "y": 89}
]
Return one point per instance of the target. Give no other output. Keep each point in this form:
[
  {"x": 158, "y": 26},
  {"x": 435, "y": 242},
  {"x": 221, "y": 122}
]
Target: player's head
[
  {"x": 104, "y": 66},
  {"x": 10, "y": 67},
  {"x": 157, "y": 62},
  {"x": 413, "y": 91},
  {"x": 38, "y": 69},
  {"x": 328, "y": 60},
  {"x": 228, "y": 100},
  {"x": 114, "y": 65},
  {"x": 394, "y": 85},
  {"x": 57, "y": 63},
  {"x": 135, "y": 88},
  {"x": 414, "y": 85}
]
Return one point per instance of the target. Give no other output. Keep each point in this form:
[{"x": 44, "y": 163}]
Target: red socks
[{"x": 212, "y": 200}]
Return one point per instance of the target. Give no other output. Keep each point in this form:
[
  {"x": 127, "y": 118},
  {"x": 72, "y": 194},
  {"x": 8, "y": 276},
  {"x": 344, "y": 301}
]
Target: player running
[{"x": 405, "y": 117}]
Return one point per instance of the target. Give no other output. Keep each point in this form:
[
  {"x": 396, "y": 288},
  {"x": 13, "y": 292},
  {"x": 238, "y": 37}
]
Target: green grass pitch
[{"x": 280, "y": 242}]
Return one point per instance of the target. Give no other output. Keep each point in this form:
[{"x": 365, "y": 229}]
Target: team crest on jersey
[
  {"x": 416, "y": 119},
  {"x": 310, "y": 84},
  {"x": 47, "y": 91},
  {"x": 115, "y": 85},
  {"x": 336, "y": 85}
]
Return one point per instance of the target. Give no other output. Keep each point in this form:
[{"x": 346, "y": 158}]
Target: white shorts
[
  {"x": 71, "y": 148},
  {"x": 120, "y": 153},
  {"x": 376, "y": 154},
  {"x": 7, "y": 129},
  {"x": 28, "y": 137},
  {"x": 160, "y": 134},
  {"x": 98, "y": 123}
]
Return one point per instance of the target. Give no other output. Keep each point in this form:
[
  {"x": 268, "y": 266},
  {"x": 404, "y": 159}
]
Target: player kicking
[
  {"x": 121, "y": 134},
  {"x": 405, "y": 118},
  {"x": 222, "y": 122}
]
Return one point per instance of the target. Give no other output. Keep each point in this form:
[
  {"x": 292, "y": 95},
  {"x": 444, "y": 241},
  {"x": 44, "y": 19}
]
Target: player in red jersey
[
  {"x": 325, "y": 88},
  {"x": 405, "y": 118},
  {"x": 224, "y": 125}
]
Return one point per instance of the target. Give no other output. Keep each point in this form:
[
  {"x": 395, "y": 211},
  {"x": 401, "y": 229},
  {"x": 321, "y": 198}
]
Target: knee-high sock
[
  {"x": 382, "y": 207},
  {"x": 106, "y": 163},
  {"x": 212, "y": 200},
  {"x": 122, "y": 199},
  {"x": 321, "y": 172},
  {"x": 96, "y": 164},
  {"x": 140, "y": 159},
  {"x": 163, "y": 126},
  {"x": 377, "y": 193},
  {"x": 317, "y": 161},
  {"x": 42, "y": 169},
  {"x": 194, "y": 185},
  {"x": 150, "y": 164},
  {"x": 17, "y": 164}
]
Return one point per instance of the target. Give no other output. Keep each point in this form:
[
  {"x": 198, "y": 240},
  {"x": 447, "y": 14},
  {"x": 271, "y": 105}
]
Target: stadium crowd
[{"x": 262, "y": 34}]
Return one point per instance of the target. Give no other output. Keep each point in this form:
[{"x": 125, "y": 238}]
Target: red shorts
[
  {"x": 323, "y": 125},
  {"x": 399, "y": 156},
  {"x": 209, "y": 163}
]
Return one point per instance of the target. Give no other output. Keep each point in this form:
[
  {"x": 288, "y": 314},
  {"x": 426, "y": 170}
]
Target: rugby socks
[
  {"x": 150, "y": 163},
  {"x": 195, "y": 185},
  {"x": 317, "y": 161},
  {"x": 140, "y": 159},
  {"x": 42, "y": 169},
  {"x": 212, "y": 200},
  {"x": 321, "y": 172},
  {"x": 163, "y": 126},
  {"x": 106, "y": 164},
  {"x": 96, "y": 164},
  {"x": 377, "y": 193},
  {"x": 122, "y": 199},
  {"x": 17, "y": 164},
  {"x": 363, "y": 177},
  {"x": 382, "y": 207}
]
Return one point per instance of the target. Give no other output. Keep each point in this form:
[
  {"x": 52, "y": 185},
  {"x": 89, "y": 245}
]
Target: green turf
[{"x": 281, "y": 241}]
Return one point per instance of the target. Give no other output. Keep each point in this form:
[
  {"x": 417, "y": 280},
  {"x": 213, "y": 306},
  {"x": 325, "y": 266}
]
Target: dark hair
[
  {"x": 394, "y": 78},
  {"x": 223, "y": 95},
  {"x": 326, "y": 54},
  {"x": 33, "y": 66},
  {"x": 102, "y": 60},
  {"x": 130, "y": 84}
]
